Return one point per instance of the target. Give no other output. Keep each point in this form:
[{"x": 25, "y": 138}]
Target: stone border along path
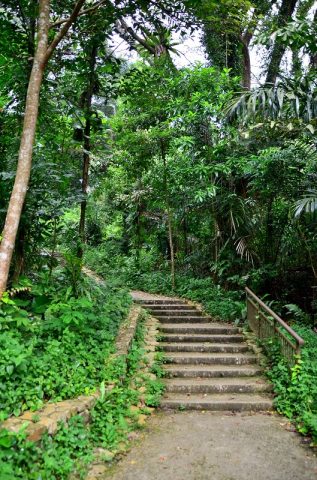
[
  {"x": 48, "y": 417},
  {"x": 99, "y": 467}
]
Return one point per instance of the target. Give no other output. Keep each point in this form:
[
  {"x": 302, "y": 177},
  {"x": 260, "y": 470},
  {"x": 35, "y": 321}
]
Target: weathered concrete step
[
  {"x": 211, "y": 371},
  {"x": 204, "y": 347},
  {"x": 182, "y": 328},
  {"x": 224, "y": 337},
  {"x": 182, "y": 319},
  {"x": 197, "y": 337},
  {"x": 179, "y": 313},
  {"x": 167, "y": 329},
  {"x": 160, "y": 301},
  {"x": 217, "y": 385},
  {"x": 195, "y": 358},
  {"x": 155, "y": 308},
  {"x": 217, "y": 402}
]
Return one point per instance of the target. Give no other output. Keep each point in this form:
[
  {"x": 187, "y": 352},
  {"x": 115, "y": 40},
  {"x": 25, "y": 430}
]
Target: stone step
[
  {"x": 204, "y": 347},
  {"x": 217, "y": 402},
  {"x": 156, "y": 308},
  {"x": 182, "y": 328},
  {"x": 179, "y": 313},
  {"x": 211, "y": 371},
  {"x": 224, "y": 337},
  {"x": 217, "y": 385},
  {"x": 161, "y": 302},
  {"x": 195, "y": 358},
  {"x": 182, "y": 319},
  {"x": 166, "y": 330}
]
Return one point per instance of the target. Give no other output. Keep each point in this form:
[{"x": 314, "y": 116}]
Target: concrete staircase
[{"x": 210, "y": 367}]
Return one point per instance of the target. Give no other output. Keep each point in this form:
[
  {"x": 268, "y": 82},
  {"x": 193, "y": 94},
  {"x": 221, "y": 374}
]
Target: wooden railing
[{"x": 266, "y": 324}]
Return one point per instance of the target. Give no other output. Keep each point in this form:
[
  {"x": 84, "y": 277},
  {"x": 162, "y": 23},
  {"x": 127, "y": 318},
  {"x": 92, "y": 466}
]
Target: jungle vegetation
[{"x": 159, "y": 173}]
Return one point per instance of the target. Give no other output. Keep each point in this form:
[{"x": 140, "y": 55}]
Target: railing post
[
  {"x": 248, "y": 308},
  {"x": 258, "y": 319}
]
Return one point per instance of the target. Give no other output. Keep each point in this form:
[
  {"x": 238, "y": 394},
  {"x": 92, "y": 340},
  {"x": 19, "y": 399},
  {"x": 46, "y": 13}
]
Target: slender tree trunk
[
  {"x": 42, "y": 55},
  {"x": 170, "y": 238},
  {"x": 246, "y": 76},
  {"x": 169, "y": 216},
  {"x": 87, "y": 147},
  {"x": 313, "y": 55},
  {"x": 84, "y": 186},
  {"x": 19, "y": 253},
  {"x": 54, "y": 244},
  {"x": 284, "y": 16},
  {"x": 26, "y": 147},
  {"x": 185, "y": 230}
]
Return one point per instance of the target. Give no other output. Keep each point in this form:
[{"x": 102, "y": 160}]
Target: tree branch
[
  {"x": 135, "y": 36},
  {"x": 61, "y": 34},
  {"x": 83, "y": 12}
]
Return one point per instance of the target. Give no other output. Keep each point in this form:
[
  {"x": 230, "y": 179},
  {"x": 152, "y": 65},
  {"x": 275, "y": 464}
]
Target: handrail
[{"x": 266, "y": 329}]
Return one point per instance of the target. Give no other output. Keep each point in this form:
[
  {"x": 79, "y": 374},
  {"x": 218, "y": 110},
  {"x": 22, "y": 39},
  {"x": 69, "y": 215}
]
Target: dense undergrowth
[
  {"x": 54, "y": 344},
  {"x": 296, "y": 390},
  {"x": 71, "y": 450}
]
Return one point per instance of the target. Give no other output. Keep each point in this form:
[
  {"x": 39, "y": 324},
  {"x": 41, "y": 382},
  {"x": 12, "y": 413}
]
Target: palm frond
[
  {"x": 288, "y": 99},
  {"x": 307, "y": 204}
]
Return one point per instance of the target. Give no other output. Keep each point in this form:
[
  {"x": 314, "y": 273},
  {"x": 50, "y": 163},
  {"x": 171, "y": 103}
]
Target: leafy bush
[
  {"x": 59, "y": 353},
  {"x": 296, "y": 390},
  {"x": 71, "y": 449},
  {"x": 53, "y": 458}
]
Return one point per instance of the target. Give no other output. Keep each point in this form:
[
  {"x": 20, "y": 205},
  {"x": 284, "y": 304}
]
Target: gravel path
[{"x": 214, "y": 446}]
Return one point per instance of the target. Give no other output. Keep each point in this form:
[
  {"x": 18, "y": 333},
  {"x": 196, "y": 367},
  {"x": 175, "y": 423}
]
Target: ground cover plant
[
  {"x": 74, "y": 445},
  {"x": 55, "y": 345},
  {"x": 295, "y": 390}
]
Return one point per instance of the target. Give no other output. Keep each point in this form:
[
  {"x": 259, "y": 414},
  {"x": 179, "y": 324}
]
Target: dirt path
[{"x": 213, "y": 446}]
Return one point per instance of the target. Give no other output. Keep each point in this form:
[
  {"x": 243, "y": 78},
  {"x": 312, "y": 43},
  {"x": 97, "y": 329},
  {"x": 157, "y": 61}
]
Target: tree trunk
[
  {"x": 19, "y": 254},
  {"x": 313, "y": 55},
  {"x": 84, "y": 187},
  {"x": 87, "y": 146},
  {"x": 284, "y": 16},
  {"x": 169, "y": 214},
  {"x": 26, "y": 147},
  {"x": 170, "y": 239},
  {"x": 42, "y": 55},
  {"x": 246, "y": 68}
]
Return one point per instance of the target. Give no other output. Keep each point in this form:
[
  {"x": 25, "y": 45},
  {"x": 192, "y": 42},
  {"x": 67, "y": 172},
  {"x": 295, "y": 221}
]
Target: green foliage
[
  {"x": 77, "y": 332},
  {"x": 171, "y": 183},
  {"x": 295, "y": 390},
  {"x": 71, "y": 448},
  {"x": 54, "y": 458}
]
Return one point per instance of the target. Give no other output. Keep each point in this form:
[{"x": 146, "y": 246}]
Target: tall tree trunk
[
  {"x": 20, "y": 243},
  {"x": 170, "y": 238},
  {"x": 284, "y": 16},
  {"x": 246, "y": 67},
  {"x": 169, "y": 215},
  {"x": 313, "y": 55},
  {"x": 84, "y": 186},
  {"x": 19, "y": 253},
  {"x": 185, "y": 230},
  {"x": 26, "y": 147},
  {"x": 42, "y": 55},
  {"x": 87, "y": 145}
]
